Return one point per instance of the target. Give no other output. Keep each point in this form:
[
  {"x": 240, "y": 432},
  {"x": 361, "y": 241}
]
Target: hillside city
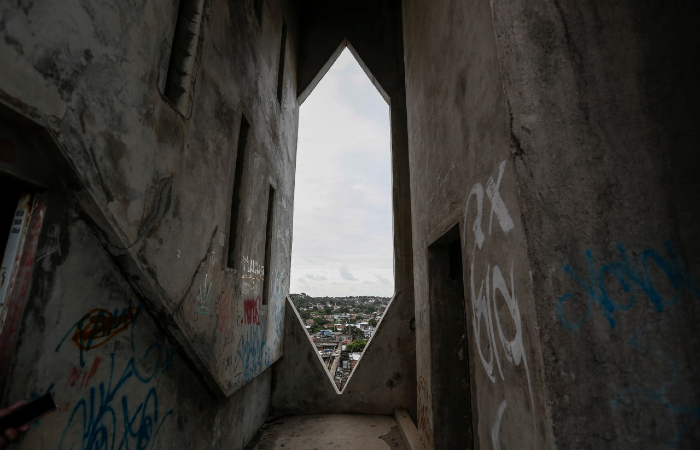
[{"x": 340, "y": 328}]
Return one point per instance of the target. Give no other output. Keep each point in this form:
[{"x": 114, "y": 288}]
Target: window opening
[
  {"x": 268, "y": 244},
  {"x": 183, "y": 54},
  {"x": 280, "y": 68},
  {"x": 237, "y": 195},
  {"x": 342, "y": 270},
  {"x": 452, "y": 417}
]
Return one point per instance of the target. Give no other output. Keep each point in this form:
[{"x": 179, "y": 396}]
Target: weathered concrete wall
[
  {"x": 562, "y": 137},
  {"x": 385, "y": 377},
  {"x": 302, "y": 385},
  {"x": 157, "y": 178},
  {"x": 117, "y": 381},
  {"x": 462, "y": 173},
  {"x": 135, "y": 244},
  {"x": 604, "y": 109}
]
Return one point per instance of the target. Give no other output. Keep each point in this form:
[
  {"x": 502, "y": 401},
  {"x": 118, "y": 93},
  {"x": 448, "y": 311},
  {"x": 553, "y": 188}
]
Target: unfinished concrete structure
[{"x": 546, "y": 196}]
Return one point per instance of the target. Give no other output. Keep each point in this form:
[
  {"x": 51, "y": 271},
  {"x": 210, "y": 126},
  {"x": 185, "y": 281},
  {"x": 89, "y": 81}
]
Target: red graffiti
[
  {"x": 99, "y": 326},
  {"x": 87, "y": 375},
  {"x": 251, "y": 313},
  {"x": 7, "y": 151}
]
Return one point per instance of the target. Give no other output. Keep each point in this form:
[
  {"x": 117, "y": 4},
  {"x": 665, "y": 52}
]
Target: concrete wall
[
  {"x": 562, "y": 138},
  {"x": 143, "y": 225},
  {"x": 158, "y": 179},
  {"x": 462, "y": 173},
  {"x": 604, "y": 114},
  {"x": 117, "y": 380}
]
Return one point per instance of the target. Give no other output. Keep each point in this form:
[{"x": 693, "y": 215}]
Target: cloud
[
  {"x": 381, "y": 279},
  {"x": 343, "y": 189},
  {"x": 311, "y": 276},
  {"x": 345, "y": 273}
]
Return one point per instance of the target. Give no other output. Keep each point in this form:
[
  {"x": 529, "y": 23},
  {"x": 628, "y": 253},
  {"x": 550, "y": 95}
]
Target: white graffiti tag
[
  {"x": 483, "y": 303},
  {"x": 496, "y": 427}
]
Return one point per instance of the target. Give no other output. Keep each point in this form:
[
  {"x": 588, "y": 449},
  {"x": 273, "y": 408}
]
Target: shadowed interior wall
[
  {"x": 571, "y": 175},
  {"x": 130, "y": 292},
  {"x": 604, "y": 116},
  {"x": 462, "y": 173}
]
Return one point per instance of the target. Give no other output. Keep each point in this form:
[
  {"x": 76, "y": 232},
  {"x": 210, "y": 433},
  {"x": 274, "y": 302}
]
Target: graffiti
[
  {"x": 87, "y": 375},
  {"x": 657, "y": 277},
  {"x": 99, "y": 326},
  {"x": 237, "y": 368},
  {"x": 204, "y": 297},
  {"x": 496, "y": 427},
  {"x": 425, "y": 402},
  {"x": 251, "y": 311},
  {"x": 485, "y": 317},
  {"x": 245, "y": 288},
  {"x": 7, "y": 151},
  {"x": 100, "y": 411},
  {"x": 634, "y": 278},
  {"x": 277, "y": 316},
  {"x": 222, "y": 239},
  {"x": 250, "y": 352},
  {"x": 252, "y": 269}
]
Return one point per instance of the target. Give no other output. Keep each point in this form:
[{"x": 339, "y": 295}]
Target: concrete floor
[{"x": 329, "y": 431}]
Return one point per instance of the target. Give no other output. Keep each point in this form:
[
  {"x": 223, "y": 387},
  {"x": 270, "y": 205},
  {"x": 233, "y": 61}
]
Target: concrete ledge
[{"x": 408, "y": 429}]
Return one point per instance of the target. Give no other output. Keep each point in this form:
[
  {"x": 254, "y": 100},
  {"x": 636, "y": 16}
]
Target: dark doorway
[{"x": 452, "y": 416}]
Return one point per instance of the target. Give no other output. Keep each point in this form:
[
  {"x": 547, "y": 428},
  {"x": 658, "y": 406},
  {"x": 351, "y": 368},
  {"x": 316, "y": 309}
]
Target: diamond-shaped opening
[{"x": 342, "y": 272}]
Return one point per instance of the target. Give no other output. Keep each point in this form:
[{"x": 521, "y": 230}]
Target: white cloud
[
  {"x": 345, "y": 273},
  {"x": 311, "y": 276},
  {"x": 381, "y": 279},
  {"x": 342, "y": 199}
]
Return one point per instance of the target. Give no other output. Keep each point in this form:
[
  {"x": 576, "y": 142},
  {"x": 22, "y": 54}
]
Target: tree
[
  {"x": 372, "y": 322},
  {"x": 357, "y": 346},
  {"x": 355, "y": 333}
]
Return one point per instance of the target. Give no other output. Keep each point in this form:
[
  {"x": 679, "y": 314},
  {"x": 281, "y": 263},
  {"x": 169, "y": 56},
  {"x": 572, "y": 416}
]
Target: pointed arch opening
[{"x": 342, "y": 271}]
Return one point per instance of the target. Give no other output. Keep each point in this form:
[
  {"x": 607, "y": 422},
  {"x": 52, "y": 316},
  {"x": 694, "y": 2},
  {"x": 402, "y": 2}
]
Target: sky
[{"x": 343, "y": 235}]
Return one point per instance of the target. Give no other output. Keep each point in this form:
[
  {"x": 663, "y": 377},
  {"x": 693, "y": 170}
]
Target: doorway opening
[
  {"x": 451, "y": 393},
  {"x": 342, "y": 269}
]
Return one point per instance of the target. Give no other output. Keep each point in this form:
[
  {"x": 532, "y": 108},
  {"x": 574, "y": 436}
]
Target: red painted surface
[
  {"x": 75, "y": 374},
  {"x": 251, "y": 311},
  {"x": 17, "y": 295}
]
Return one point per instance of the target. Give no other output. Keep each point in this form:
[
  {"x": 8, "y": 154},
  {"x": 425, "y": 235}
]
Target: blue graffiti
[
  {"x": 277, "y": 317},
  {"x": 636, "y": 395},
  {"x": 250, "y": 351},
  {"x": 633, "y": 278},
  {"x": 100, "y": 412}
]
